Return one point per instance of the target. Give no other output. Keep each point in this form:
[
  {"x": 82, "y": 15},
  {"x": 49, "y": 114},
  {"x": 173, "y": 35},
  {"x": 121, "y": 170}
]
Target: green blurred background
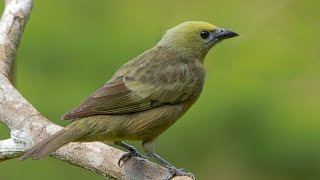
[{"x": 258, "y": 117}]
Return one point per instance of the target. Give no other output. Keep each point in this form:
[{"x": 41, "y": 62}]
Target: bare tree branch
[{"x": 29, "y": 127}]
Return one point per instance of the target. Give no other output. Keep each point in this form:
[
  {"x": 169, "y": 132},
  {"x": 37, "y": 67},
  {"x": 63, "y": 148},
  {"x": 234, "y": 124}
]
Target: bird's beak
[{"x": 221, "y": 34}]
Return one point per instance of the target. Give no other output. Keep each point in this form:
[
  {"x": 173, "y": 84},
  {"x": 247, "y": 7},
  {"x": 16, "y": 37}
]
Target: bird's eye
[{"x": 204, "y": 34}]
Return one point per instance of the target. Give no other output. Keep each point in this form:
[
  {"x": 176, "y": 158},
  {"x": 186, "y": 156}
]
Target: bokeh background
[{"x": 258, "y": 117}]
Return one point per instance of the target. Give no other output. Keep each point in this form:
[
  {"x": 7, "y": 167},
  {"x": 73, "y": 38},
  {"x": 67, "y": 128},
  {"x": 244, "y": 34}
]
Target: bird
[{"x": 144, "y": 97}]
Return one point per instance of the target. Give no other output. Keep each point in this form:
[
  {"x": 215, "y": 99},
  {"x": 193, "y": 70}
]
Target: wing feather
[
  {"x": 135, "y": 88},
  {"x": 113, "y": 98}
]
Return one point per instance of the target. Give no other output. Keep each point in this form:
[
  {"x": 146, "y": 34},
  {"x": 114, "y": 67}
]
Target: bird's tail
[{"x": 52, "y": 143}]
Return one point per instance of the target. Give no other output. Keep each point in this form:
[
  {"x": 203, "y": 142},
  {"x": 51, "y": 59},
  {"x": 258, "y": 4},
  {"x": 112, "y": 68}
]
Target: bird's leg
[
  {"x": 149, "y": 148},
  {"x": 132, "y": 152}
]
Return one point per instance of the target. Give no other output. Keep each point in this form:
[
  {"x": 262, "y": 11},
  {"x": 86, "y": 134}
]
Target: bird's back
[
  {"x": 164, "y": 68},
  {"x": 155, "y": 78}
]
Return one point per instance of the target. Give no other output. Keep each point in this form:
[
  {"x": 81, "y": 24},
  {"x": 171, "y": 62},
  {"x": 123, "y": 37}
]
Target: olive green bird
[{"x": 144, "y": 97}]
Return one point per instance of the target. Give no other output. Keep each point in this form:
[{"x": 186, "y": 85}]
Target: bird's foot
[
  {"x": 128, "y": 155},
  {"x": 177, "y": 172}
]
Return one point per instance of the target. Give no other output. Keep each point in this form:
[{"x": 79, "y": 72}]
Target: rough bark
[{"x": 29, "y": 127}]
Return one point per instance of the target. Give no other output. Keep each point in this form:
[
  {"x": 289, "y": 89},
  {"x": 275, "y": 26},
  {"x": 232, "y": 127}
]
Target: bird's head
[{"x": 194, "y": 38}]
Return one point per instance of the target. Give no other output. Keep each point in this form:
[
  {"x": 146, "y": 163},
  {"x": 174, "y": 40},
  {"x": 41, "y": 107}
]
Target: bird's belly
[
  {"x": 150, "y": 124},
  {"x": 140, "y": 126}
]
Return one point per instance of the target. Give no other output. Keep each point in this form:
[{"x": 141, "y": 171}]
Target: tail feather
[{"x": 52, "y": 143}]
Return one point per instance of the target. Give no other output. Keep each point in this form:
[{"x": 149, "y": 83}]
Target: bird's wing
[{"x": 123, "y": 95}]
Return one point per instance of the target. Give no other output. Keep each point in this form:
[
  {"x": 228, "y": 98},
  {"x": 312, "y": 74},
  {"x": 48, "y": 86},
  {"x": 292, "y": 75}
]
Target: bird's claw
[
  {"x": 128, "y": 155},
  {"x": 177, "y": 172}
]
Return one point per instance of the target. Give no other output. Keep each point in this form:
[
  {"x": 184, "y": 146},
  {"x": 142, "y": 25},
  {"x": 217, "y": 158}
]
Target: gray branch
[{"x": 28, "y": 127}]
